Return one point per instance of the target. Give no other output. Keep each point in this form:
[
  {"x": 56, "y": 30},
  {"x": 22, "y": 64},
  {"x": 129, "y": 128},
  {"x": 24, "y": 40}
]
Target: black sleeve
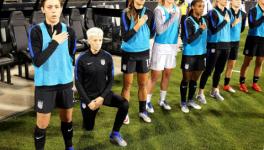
[
  {"x": 189, "y": 31},
  {"x": 252, "y": 19},
  {"x": 214, "y": 20},
  {"x": 110, "y": 76},
  {"x": 79, "y": 71},
  {"x": 244, "y": 18},
  {"x": 125, "y": 25},
  {"x": 39, "y": 57},
  {"x": 151, "y": 23},
  {"x": 72, "y": 42}
]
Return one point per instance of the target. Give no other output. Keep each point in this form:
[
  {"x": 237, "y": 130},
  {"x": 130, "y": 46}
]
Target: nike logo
[
  {"x": 89, "y": 63},
  {"x": 69, "y": 130},
  {"x": 40, "y": 137}
]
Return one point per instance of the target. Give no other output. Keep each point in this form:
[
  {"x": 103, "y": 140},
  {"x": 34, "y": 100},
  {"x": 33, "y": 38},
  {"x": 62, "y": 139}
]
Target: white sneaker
[
  {"x": 149, "y": 108},
  {"x": 144, "y": 116},
  {"x": 194, "y": 105},
  {"x": 201, "y": 98},
  {"x": 185, "y": 109},
  {"x": 215, "y": 94},
  {"x": 164, "y": 105},
  {"x": 126, "y": 121}
]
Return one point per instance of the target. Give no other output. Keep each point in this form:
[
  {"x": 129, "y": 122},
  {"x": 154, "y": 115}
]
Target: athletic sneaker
[
  {"x": 184, "y": 108},
  {"x": 256, "y": 87},
  {"x": 116, "y": 138},
  {"x": 228, "y": 88},
  {"x": 164, "y": 105},
  {"x": 69, "y": 148},
  {"x": 215, "y": 94},
  {"x": 149, "y": 108},
  {"x": 126, "y": 121},
  {"x": 194, "y": 105},
  {"x": 201, "y": 98},
  {"x": 243, "y": 87},
  {"x": 144, "y": 116}
]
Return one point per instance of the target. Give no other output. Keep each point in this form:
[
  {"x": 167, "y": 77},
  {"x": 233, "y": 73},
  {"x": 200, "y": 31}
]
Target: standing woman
[
  {"x": 163, "y": 59},
  {"x": 254, "y": 46},
  {"x": 218, "y": 48},
  {"x": 52, "y": 47},
  {"x": 137, "y": 28},
  {"x": 238, "y": 22},
  {"x": 194, "y": 53}
]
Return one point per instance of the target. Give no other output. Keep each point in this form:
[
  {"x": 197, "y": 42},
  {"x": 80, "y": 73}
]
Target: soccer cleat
[
  {"x": 228, "y": 88},
  {"x": 243, "y": 87},
  {"x": 215, "y": 94},
  {"x": 149, "y": 108},
  {"x": 184, "y": 108},
  {"x": 201, "y": 98},
  {"x": 116, "y": 138},
  {"x": 164, "y": 105},
  {"x": 144, "y": 116},
  {"x": 194, "y": 105},
  {"x": 69, "y": 148},
  {"x": 256, "y": 87},
  {"x": 126, "y": 121}
]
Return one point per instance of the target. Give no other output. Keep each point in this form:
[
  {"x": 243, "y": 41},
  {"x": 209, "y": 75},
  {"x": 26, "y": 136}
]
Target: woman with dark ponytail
[
  {"x": 137, "y": 27},
  {"x": 194, "y": 50}
]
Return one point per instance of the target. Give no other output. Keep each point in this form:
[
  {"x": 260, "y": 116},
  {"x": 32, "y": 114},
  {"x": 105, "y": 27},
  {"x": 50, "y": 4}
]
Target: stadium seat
[
  {"x": 37, "y": 17},
  {"x": 89, "y": 20},
  {"x": 77, "y": 24},
  {"x": 89, "y": 23},
  {"x": 6, "y": 59},
  {"x": 18, "y": 27}
]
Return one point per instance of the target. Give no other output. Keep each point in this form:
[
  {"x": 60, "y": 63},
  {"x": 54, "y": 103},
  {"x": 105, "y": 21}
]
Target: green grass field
[{"x": 235, "y": 124}]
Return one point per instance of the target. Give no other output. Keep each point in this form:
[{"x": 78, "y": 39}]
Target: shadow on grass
[{"x": 232, "y": 114}]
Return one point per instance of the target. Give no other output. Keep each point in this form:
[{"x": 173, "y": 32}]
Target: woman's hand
[{"x": 60, "y": 38}]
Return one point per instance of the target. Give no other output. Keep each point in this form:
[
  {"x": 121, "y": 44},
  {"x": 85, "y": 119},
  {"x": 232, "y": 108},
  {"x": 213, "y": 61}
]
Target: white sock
[
  {"x": 163, "y": 95},
  {"x": 149, "y": 98}
]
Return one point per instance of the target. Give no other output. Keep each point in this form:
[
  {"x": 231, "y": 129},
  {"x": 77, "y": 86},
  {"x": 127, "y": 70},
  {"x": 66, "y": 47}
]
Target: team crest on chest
[{"x": 102, "y": 61}]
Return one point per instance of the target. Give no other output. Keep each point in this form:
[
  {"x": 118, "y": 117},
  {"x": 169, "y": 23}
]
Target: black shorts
[
  {"x": 135, "y": 62},
  {"x": 234, "y": 51},
  {"x": 254, "y": 46},
  {"x": 193, "y": 63},
  {"x": 46, "y": 100}
]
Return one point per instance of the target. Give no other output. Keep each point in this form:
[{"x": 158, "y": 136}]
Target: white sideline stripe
[
  {"x": 12, "y": 107},
  {"x": 236, "y": 71}
]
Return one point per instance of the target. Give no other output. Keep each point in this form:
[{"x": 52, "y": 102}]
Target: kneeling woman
[
  {"x": 94, "y": 78},
  {"x": 193, "y": 58}
]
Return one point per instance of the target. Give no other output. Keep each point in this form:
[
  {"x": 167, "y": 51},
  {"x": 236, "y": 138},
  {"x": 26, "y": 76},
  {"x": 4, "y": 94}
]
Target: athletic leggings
[
  {"x": 215, "y": 60},
  {"x": 111, "y": 100}
]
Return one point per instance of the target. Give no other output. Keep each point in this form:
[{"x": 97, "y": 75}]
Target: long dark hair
[
  {"x": 194, "y": 2},
  {"x": 131, "y": 10},
  {"x": 42, "y": 3}
]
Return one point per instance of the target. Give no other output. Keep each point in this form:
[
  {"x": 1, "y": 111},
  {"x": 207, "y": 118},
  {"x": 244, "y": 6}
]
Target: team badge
[
  {"x": 40, "y": 104},
  {"x": 213, "y": 50},
  {"x": 83, "y": 105},
  {"x": 147, "y": 61},
  {"x": 186, "y": 66},
  {"x": 102, "y": 61},
  {"x": 247, "y": 51},
  {"x": 124, "y": 67}
]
